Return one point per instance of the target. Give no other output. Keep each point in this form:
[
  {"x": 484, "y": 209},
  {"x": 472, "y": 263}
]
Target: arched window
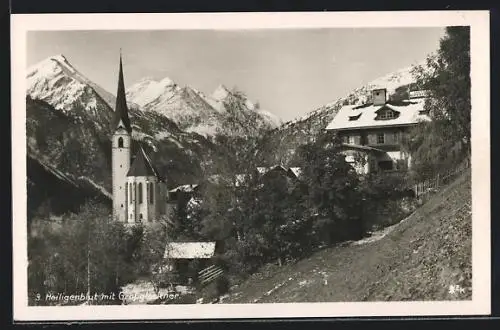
[
  {"x": 151, "y": 193},
  {"x": 139, "y": 188},
  {"x": 120, "y": 142}
]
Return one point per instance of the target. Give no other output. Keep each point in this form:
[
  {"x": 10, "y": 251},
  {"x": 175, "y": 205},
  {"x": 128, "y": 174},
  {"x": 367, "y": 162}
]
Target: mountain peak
[
  {"x": 221, "y": 92},
  {"x": 53, "y": 65},
  {"x": 57, "y": 82},
  {"x": 167, "y": 82},
  {"x": 59, "y": 58},
  {"x": 148, "y": 89},
  {"x": 146, "y": 79}
]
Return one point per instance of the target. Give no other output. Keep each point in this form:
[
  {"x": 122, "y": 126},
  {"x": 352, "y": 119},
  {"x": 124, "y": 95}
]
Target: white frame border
[{"x": 480, "y": 92}]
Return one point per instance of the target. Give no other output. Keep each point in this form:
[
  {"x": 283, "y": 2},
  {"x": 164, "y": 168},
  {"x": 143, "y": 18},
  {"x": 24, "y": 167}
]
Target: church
[{"x": 139, "y": 191}]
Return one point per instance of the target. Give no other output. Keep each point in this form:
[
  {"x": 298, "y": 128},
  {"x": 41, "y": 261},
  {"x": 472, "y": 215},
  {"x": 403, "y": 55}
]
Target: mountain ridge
[
  {"x": 56, "y": 81},
  {"x": 195, "y": 111}
]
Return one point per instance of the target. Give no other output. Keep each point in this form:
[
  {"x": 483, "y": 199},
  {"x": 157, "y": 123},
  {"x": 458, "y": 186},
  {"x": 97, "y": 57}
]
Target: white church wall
[
  {"x": 120, "y": 165},
  {"x": 141, "y": 212}
]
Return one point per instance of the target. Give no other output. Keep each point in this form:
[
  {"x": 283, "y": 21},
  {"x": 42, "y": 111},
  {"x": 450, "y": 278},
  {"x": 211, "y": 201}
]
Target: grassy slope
[{"x": 417, "y": 259}]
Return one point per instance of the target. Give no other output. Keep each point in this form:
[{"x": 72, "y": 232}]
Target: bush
[
  {"x": 215, "y": 289},
  {"x": 222, "y": 285}
]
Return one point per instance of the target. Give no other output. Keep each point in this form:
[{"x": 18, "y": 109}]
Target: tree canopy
[{"x": 446, "y": 76}]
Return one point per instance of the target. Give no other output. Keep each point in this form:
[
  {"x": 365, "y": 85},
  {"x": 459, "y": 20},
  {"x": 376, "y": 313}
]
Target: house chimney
[{"x": 379, "y": 96}]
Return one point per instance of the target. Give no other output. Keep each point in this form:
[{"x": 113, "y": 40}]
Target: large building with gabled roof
[
  {"x": 139, "y": 191},
  {"x": 373, "y": 133}
]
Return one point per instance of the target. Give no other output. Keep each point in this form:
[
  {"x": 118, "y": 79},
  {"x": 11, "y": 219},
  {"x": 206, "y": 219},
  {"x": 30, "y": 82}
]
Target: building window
[
  {"x": 380, "y": 138},
  {"x": 139, "y": 188},
  {"x": 130, "y": 193},
  {"x": 387, "y": 114},
  {"x": 363, "y": 139},
  {"x": 151, "y": 193},
  {"x": 351, "y": 139},
  {"x": 120, "y": 142},
  {"x": 396, "y": 137}
]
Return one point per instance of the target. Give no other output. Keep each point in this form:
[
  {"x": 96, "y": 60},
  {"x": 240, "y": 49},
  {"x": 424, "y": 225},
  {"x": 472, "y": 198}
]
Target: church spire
[{"x": 121, "y": 110}]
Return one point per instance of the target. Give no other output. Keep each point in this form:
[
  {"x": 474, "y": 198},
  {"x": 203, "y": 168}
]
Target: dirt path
[{"x": 416, "y": 259}]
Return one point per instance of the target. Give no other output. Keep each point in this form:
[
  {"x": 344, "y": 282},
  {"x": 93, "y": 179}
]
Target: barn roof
[
  {"x": 184, "y": 188},
  {"x": 265, "y": 170},
  {"x": 190, "y": 250},
  {"x": 297, "y": 171}
]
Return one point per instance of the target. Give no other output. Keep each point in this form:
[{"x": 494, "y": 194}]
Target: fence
[
  {"x": 431, "y": 185},
  {"x": 209, "y": 274}
]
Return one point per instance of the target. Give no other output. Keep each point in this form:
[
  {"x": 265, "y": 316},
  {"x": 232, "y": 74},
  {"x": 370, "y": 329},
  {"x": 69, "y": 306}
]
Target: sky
[{"x": 290, "y": 72}]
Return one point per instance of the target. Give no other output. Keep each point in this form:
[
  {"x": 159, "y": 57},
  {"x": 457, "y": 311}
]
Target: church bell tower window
[
  {"x": 151, "y": 193},
  {"x": 139, "y": 188}
]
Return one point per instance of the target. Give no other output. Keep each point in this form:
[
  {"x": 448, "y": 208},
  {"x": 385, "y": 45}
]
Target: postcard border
[{"x": 480, "y": 126}]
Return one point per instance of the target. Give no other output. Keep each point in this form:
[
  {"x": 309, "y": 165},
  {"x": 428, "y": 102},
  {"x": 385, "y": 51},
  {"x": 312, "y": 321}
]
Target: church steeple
[{"x": 121, "y": 109}]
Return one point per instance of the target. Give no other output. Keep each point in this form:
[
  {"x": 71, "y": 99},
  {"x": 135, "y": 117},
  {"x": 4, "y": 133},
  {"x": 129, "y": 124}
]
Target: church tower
[{"x": 121, "y": 144}]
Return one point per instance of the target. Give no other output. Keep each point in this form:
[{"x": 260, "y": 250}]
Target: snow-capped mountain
[
  {"x": 194, "y": 111},
  {"x": 183, "y": 105},
  {"x": 55, "y": 81}
]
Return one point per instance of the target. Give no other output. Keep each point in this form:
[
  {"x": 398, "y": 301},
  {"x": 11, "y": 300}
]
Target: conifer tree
[{"x": 447, "y": 78}]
